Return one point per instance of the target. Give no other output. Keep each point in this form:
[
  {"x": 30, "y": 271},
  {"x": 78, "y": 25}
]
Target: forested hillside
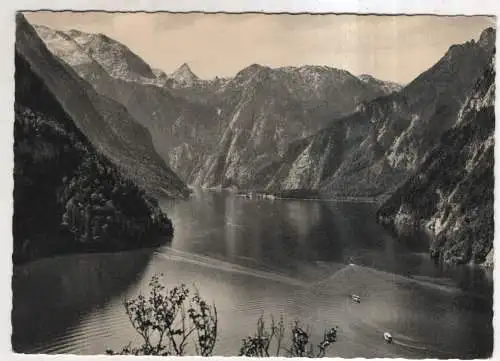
[{"x": 68, "y": 196}]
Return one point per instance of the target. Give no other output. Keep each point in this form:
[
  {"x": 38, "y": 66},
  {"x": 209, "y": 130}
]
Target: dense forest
[{"x": 68, "y": 197}]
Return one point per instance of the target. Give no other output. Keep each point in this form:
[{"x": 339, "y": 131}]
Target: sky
[{"x": 396, "y": 48}]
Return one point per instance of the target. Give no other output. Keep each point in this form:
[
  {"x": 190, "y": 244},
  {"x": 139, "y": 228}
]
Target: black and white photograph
[{"x": 253, "y": 184}]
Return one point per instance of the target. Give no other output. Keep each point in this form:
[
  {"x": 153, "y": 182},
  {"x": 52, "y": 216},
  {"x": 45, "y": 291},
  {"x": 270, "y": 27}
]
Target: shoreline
[
  {"x": 92, "y": 250},
  {"x": 300, "y": 194}
]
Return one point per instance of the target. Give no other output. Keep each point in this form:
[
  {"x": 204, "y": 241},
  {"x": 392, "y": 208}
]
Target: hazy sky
[{"x": 394, "y": 48}]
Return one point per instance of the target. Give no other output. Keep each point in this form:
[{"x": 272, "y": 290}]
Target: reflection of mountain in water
[
  {"x": 51, "y": 295},
  {"x": 282, "y": 235},
  {"x": 274, "y": 257},
  {"x": 294, "y": 237}
]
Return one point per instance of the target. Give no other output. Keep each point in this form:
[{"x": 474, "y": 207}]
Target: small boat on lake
[
  {"x": 387, "y": 337},
  {"x": 356, "y": 298}
]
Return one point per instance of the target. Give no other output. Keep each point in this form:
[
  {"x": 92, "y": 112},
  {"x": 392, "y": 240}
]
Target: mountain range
[
  {"x": 170, "y": 120},
  {"x": 373, "y": 150},
  {"x": 311, "y": 127},
  {"x": 273, "y": 129},
  {"x": 208, "y": 129}
]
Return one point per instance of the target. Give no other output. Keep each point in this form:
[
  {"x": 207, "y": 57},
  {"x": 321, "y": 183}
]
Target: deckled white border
[{"x": 8, "y": 8}]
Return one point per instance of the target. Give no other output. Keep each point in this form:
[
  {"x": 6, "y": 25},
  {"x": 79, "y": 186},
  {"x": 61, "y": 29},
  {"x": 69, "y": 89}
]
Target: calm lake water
[{"x": 299, "y": 259}]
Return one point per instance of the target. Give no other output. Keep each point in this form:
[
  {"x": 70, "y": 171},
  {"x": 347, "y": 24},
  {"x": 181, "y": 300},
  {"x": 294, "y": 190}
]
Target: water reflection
[
  {"x": 232, "y": 226},
  {"x": 300, "y": 219},
  {"x": 51, "y": 295},
  {"x": 255, "y": 256}
]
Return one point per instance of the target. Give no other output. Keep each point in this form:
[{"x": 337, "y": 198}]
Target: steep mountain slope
[
  {"x": 106, "y": 123},
  {"x": 181, "y": 131},
  {"x": 114, "y": 57},
  {"x": 68, "y": 196},
  {"x": 268, "y": 109},
  {"x": 366, "y": 154},
  {"x": 309, "y": 162},
  {"x": 409, "y": 123},
  {"x": 371, "y": 152},
  {"x": 452, "y": 192}
]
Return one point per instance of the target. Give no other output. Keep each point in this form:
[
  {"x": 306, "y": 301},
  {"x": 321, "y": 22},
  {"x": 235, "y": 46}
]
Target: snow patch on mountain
[{"x": 387, "y": 86}]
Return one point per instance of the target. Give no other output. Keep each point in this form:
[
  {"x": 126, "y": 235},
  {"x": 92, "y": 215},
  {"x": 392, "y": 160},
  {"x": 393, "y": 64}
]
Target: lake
[{"x": 300, "y": 259}]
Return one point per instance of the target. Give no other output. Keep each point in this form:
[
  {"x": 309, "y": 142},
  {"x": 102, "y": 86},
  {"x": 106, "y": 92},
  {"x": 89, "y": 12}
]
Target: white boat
[
  {"x": 387, "y": 337},
  {"x": 356, "y": 298}
]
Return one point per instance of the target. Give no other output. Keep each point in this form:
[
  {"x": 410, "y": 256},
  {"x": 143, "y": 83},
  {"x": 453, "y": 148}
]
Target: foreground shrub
[
  {"x": 172, "y": 321},
  {"x": 168, "y": 321},
  {"x": 261, "y": 344}
]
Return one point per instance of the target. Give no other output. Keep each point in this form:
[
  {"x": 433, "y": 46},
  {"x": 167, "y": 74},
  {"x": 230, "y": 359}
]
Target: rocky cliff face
[
  {"x": 184, "y": 77},
  {"x": 407, "y": 124},
  {"x": 309, "y": 162},
  {"x": 266, "y": 110},
  {"x": 452, "y": 192},
  {"x": 372, "y": 151},
  {"x": 115, "y": 58}
]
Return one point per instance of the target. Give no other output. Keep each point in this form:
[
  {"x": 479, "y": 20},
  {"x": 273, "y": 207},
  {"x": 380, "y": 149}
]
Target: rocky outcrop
[
  {"x": 184, "y": 77},
  {"x": 490, "y": 259},
  {"x": 451, "y": 193}
]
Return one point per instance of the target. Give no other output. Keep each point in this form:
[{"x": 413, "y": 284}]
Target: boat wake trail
[
  {"x": 407, "y": 345},
  {"x": 436, "y": 352},
  {"x": 205, "y": 261},
  {"x": 358, "y": 271},
  {"x": 344, "y": 271}
]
